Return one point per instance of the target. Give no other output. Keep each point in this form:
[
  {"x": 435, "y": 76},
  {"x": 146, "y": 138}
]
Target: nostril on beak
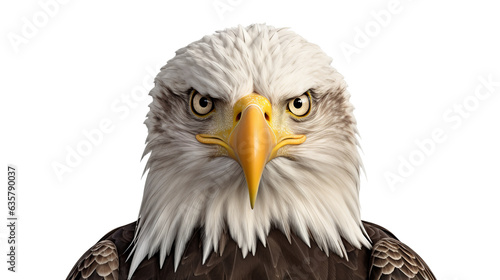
[
  {"x": 238, "y": 116},
  {"x": 267, "y": 117}
]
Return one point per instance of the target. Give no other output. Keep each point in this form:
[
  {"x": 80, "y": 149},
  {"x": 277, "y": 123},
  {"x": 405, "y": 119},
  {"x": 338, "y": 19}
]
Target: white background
[{"x": 65, "y": 77}]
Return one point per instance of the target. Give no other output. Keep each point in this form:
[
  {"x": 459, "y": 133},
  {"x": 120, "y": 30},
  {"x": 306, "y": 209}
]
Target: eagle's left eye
[
  {"x": 301, "y": 105},
  {"x": 201, "y": 105}
]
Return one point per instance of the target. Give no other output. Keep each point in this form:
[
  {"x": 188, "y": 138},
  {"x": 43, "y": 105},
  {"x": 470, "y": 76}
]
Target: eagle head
[{"x": 249, "y": 114}]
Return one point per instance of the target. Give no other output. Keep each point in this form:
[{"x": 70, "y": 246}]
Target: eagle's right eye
[{"x": 201, "y": 105}]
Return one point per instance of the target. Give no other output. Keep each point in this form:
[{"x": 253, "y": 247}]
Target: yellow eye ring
[
  {"x": 200, "y": 105},
  {"x": 300, "y": 107}
]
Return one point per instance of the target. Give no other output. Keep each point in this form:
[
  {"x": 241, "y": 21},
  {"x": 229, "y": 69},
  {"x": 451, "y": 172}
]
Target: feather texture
[
  {"x": 99, "y": 262},
  {"x": 281, "y": 259}
]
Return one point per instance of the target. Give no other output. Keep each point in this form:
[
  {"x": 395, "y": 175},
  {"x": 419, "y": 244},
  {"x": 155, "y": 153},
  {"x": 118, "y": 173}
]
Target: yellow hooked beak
[{"x": 252, "y": 141}]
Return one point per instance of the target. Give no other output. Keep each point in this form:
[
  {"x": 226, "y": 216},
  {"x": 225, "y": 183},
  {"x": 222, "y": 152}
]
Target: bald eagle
[{"x": 251, "y": 114}]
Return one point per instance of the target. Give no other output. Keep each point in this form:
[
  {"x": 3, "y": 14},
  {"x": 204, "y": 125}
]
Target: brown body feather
[{"x": 280, "y": 259}]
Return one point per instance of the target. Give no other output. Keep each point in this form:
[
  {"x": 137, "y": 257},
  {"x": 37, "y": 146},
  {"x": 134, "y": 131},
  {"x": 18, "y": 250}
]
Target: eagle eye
[
  {"x": 300, "y": 106},
  {"x": 201, "y": 105}
]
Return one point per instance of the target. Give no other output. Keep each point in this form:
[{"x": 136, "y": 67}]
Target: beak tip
[{"x": 252, "y": 203}]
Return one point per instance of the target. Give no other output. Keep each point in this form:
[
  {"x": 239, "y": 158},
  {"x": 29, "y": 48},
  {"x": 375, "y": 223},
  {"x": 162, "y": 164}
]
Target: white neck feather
[{"x": 311, "y": 196}]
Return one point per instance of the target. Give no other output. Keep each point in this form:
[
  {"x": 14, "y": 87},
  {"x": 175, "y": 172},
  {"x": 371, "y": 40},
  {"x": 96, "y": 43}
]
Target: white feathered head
[{"x": 249, "y": 113}]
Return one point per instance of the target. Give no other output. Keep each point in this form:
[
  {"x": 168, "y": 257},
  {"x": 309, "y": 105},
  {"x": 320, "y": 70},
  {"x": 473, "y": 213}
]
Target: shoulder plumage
[
  {"x": 103, "y": 260},
  {"x": 392, "y": 259},
  {"x": 99, "y": 262}
]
